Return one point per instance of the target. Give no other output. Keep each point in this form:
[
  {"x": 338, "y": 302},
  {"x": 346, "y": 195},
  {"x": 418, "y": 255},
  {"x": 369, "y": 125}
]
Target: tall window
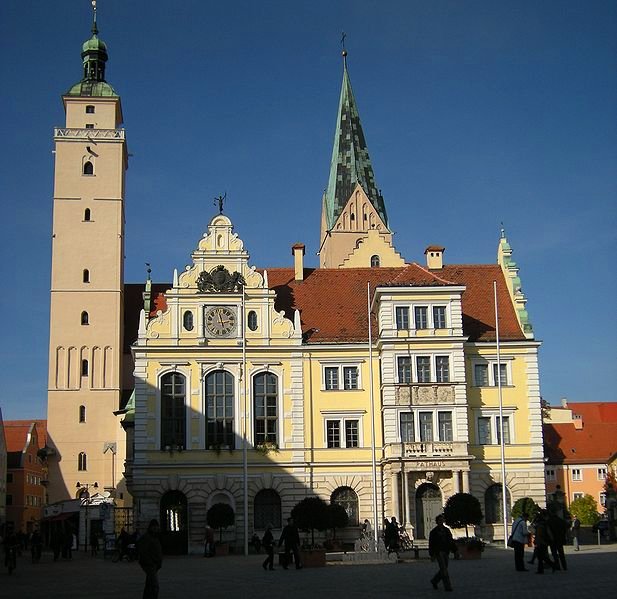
[
  {"x": 426, "y": 426},
  {"x": 87, "y": 214},
  {"x": 265, "y": 393},
  {"x": 442, "y": 366},
  {"x": 481, "y": 375},
  {"x": 267, "y": 509},
  {"x": 86, "y": 276},
  {"x": 342, "y": 432},
  {"x": 407, "y": 432},
  {"x": 333, "y": 433},
  {"x": 374, "y": 259},
  {"x": 341, "y": 377},
  {"x": 503, "y": 370},
  {"x": 423, "y": 365},
  {"x": 85, "y": 368},
  {"x": 82, "y": 462},
  {"x": 82, "y": 413},
  {"x": 173, "y": 410},
  {"x": 350, "y": 377},
  {"x": 445, "y": 426},
  {"x": 88, "y": 168},
  {"x": 331, "y": 376},
  {"x": 421, "y": 317},
  {"x": 85, "y": 319},
  {"x": 439, "y": 317},
  {"x": 484, "y": 430},
  {"x": 493, "y": 504},
  {"x": 346, "y": 497},
  {"x": 404, "y": 370},
  {"x": 506, "y": 429},
  {"x": 219, "y": 410},
  {"x": 402, "y": 318},
  {"x": 351, "y": 433}
]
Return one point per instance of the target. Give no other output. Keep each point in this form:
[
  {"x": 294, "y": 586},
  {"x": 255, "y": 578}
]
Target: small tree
[
  {"x": 311, "y": 514},
  {"x": 525, "y": 505},
  {"x": 337, "y": 517},
  {"x": 462, "y": 509},
  {"x": 585, "y": 509},
  {"x": 220, "y": 516}
]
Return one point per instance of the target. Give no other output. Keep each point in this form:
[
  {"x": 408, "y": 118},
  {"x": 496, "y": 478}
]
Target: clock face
[{"x": 220, "y": 321}]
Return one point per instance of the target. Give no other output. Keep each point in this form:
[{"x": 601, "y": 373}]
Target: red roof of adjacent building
[
  {"x": 16, "y": 434},
  {"x": 594, "y": 411},
  {"x": 593, "y": 443}
]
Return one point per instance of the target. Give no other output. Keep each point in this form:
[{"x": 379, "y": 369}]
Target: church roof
[{"x": 350, "y": 162}]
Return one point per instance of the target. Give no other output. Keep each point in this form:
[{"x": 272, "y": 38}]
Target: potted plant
[
  {"x": 220, "y": 515},
  {"x": 265, "y": 447},
  {"x": 311, "y": 514},
  {"x": 337, "y": 518},
  {"x": 460, "y": 511}
]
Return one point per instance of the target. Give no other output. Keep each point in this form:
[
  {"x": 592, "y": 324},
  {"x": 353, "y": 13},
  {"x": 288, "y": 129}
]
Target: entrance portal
[
  {"x": 428, "y": 507},
  {"x": 174, "y": 529}
]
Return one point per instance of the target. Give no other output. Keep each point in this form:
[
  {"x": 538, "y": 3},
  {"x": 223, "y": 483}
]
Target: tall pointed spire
[{"x": 350, "y": 162}]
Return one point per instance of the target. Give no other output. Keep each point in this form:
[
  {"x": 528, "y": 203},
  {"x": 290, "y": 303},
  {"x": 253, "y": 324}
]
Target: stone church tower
[{"x": 85, "y": 345}]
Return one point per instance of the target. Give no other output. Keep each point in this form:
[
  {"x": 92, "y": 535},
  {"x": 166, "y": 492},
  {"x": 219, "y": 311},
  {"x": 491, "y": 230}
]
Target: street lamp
[{"x": 83, "y": 494}]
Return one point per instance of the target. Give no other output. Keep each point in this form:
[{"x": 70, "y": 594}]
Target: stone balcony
[
  {"x": 422, "y": 394},
  {"x": 424, "y": 449}
]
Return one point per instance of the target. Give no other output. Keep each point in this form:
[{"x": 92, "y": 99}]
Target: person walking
[
  {"x": 440, "y": 543},
  {"x": 576, "y": 531},
  {"x": 543, "y": 540},
  {"x": 209, "y": 542},
  {"x": 391, "y": 537},
  {"x": 151, "y": 559},
  {"x": 94, "y": 543},
  {"x": 559, "y": 531},
  {"x": 290, "y": 537},
  {"x": 268, "y": 545},
  {"x": 519, "y": 538}
]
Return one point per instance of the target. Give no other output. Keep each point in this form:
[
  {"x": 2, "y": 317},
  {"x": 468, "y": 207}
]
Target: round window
[
  {"x": 252, "y": 320},
  {"x": 187, "y": 320}
]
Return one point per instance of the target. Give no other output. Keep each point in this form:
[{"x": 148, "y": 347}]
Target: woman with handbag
[{"x": 517, "y": 541}]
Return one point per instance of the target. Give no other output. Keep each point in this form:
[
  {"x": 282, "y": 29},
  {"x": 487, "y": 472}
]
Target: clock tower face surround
[{"x": 220, "y": 321}]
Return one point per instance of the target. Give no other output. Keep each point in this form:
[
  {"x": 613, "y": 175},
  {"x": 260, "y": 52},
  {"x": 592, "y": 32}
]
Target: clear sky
[{"x": 475, "y": 112}]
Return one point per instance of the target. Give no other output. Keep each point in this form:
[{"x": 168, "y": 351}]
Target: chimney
[
  {"x": 434, "y": 257},
  {"x": 298, "y": 253},
  {"x": 564, "y": 402}
]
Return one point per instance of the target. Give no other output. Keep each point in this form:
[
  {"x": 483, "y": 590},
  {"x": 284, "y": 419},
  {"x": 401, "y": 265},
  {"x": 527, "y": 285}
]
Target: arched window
[
  {"x": 89, "y": 109},
  {"x": 493, "y": 504},
  {"x": 252, "y": 320},
  {"x": 82, "y": 413},
  {"x": 85, "y": 319},
  {"x": 346, "y": 497},
  {"x": 219, "y": 410},
  {"x": 187, "y": 321},
  {"x": 86, "y": 276},
  {"x": 82, "y": 462},
  {"x": 84, "y": 368},
  {"x": 375, "y": 261},
  {"x": 87, "y": 214},
  {"x": 265, "y": 394},
  {"x": 88, "y": 168},
  {"x": 173, "y": 410},
  {"x": 267, "y": 510}
]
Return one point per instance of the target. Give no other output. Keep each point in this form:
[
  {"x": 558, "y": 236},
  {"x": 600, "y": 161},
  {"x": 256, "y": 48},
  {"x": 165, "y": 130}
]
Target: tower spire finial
[
  {"x": 95, "y": 29},
  {"x": 344, "y": 52}
]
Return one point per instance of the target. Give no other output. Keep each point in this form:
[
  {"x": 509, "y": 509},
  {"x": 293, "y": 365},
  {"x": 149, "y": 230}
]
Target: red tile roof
[
  {"x": 594, "y": 443},
  {"x": 16, "y": 432},
  {"x": 595, "y": 411},
  {"x": 332, "y": 301}
]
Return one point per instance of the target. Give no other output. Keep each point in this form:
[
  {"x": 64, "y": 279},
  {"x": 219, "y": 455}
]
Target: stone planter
[
  {"x": 313, "y": 558},
  {"x": 221, "y": 549},
  {"x": 466, "y": 551}
]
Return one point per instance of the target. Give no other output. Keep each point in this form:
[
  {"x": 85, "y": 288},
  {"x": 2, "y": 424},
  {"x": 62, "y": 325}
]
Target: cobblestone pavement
[{"x": 591, "y": 573}]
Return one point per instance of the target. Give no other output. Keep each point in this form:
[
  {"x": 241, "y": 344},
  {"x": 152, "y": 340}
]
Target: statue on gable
[{"x": 220, "y": 280}]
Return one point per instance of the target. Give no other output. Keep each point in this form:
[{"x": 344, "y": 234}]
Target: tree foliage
[
  {"x": 220, "y": 515},
  {"x": 311, "y": 514},
  {"x": 461, "y": 510},
  {"x": 525, "y": 505},
  {"x": 585, "y": 508},
  {"x": 337, "y": 517}
]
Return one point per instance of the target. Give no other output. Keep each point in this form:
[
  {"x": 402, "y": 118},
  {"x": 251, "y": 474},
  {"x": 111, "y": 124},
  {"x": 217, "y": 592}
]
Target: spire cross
[
  {"x": 344, "y": 52},
  {"x": 94, "y": 27},
  {"x": 220, "y": 201}
]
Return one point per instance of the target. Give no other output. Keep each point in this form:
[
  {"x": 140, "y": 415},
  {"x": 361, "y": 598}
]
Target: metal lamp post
[{"x": 86, "y": 495}]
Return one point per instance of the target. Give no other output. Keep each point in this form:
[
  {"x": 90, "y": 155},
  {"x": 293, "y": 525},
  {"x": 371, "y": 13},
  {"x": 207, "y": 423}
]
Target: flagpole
[
  {"x": 372, "y": 397},
  {"x": 502, "y": 443},
  {"x": 244, "y": 433}
]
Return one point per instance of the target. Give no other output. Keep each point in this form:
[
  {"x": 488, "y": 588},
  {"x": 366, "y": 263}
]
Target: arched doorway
[
  {"x": 428, "y": 506},
  {"x": 174, "y": 525}
]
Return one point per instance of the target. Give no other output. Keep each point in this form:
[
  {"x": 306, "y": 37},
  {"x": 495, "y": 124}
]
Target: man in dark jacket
[
  {"x": 291, "y": 538},
  {"x": 440, "y": 543},
  {"x": 151, "y": 559},
  {"x": 559, "y": 531}
]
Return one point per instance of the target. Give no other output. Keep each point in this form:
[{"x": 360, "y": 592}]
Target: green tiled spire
[
  {"x": 94, "y": 56},
  {"x": 350, "y": 163}
]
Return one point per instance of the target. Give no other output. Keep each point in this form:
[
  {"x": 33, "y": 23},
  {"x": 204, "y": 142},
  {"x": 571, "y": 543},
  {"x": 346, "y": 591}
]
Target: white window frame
[
  {"x": 343, "y": 417},
  {"x": 602, "y": 473},
  {"x": 493, "y": 414},
  {"x": 551, "y": 474},
  {"x": 491, "y": 363},
  {"x": 416, "y": 423},
  {"x": 577, "y": 495},
  {"x": 577, "y": 474},
  {"x": 430, "y": 320},
  {"x": 432, "y": 355},
  {"x": 341, "y": 366},
  {"x": 183, "y": 369}
]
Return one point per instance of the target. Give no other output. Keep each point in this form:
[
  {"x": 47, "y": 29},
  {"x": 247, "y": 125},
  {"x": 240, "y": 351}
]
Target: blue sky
[{"x": 475, "y": 112}]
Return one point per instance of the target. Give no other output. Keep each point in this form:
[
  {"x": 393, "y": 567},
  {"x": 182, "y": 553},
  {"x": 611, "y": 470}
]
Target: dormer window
[{"x": 89, "y": 109}]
